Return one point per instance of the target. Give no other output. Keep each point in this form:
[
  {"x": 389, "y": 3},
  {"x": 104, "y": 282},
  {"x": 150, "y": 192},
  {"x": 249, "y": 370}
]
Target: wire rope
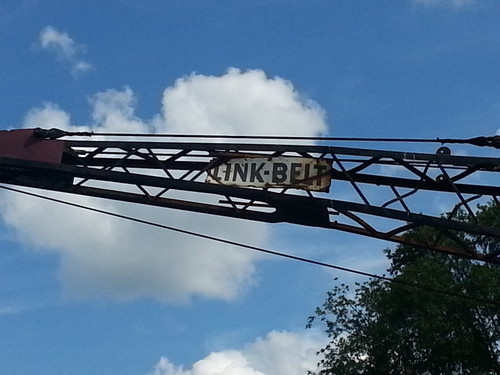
[
  {"x": 492, "y": 141},
  {"x": 255, "y": 248},
  {"x": 269, "y": 137}
]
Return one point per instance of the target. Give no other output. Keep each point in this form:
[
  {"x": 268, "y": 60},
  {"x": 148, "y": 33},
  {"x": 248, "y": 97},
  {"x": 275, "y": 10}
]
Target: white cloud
[
  {"x": 105, "y": 257},
  {"x": 48, "y": 116},
  {"x": 65, "y": 49},
  {"x": 239, "y": 103},
  {"x": 279, "y": 353},
  {"x": 113, "y": 111}
]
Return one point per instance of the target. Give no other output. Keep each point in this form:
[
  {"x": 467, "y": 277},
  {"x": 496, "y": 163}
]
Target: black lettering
[
  {"x": 295, "y": 171},
  {"x": 320, "y": 169},
  {"x": 227, "y": 172},
  {"x": 279, "y": 172},
  {"x": 240, "y": 170},
  {"x": 215, "y": 173},
  {"x": 307, "y": 170},
  {"x": 255, "y": 172}
]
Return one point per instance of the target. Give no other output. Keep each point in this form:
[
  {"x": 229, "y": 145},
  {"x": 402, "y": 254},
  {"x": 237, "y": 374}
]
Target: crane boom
[{"x": 386, "y": 188}]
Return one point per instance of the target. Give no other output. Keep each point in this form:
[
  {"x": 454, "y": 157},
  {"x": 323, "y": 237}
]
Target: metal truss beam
[{"x": 375, "y": 193}]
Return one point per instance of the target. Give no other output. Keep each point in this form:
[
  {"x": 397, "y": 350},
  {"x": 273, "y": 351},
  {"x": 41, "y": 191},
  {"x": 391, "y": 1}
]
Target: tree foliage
[{"x": 383, "y": 327}]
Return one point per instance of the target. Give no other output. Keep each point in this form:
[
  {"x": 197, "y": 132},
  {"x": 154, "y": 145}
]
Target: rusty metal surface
[
  {"x": 273, "y": 172},
  {"x": 22, "y": 144},
  {"x": 384, "y": 192}
]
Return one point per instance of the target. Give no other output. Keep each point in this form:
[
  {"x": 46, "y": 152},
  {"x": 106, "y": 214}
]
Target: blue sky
[{"x": 81, "y": 293}]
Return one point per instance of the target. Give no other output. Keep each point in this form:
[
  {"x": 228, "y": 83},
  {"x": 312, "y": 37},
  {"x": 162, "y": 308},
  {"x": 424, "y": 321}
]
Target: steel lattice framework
[{"x": 375, "y": 193}]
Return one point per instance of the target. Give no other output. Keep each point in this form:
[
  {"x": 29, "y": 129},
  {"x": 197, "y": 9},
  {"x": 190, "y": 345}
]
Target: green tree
[{"x": 383, "y": 327}]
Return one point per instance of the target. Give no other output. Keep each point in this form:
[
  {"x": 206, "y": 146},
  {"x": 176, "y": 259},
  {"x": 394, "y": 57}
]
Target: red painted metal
[
  {"x": 155, "y": 173},
  {"x": 22, "y": 144}
]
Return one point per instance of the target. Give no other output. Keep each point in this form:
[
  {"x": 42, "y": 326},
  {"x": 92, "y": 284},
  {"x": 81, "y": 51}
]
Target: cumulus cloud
[
  {"x": 239, "y": 103},
  {"x": 105, "y": 257},
  {"x": 47, "y": 116},
  {"x": 279, "y": 353},
  {"x": 65, "y": 49},
  {"x": 114, "y": 111}
]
